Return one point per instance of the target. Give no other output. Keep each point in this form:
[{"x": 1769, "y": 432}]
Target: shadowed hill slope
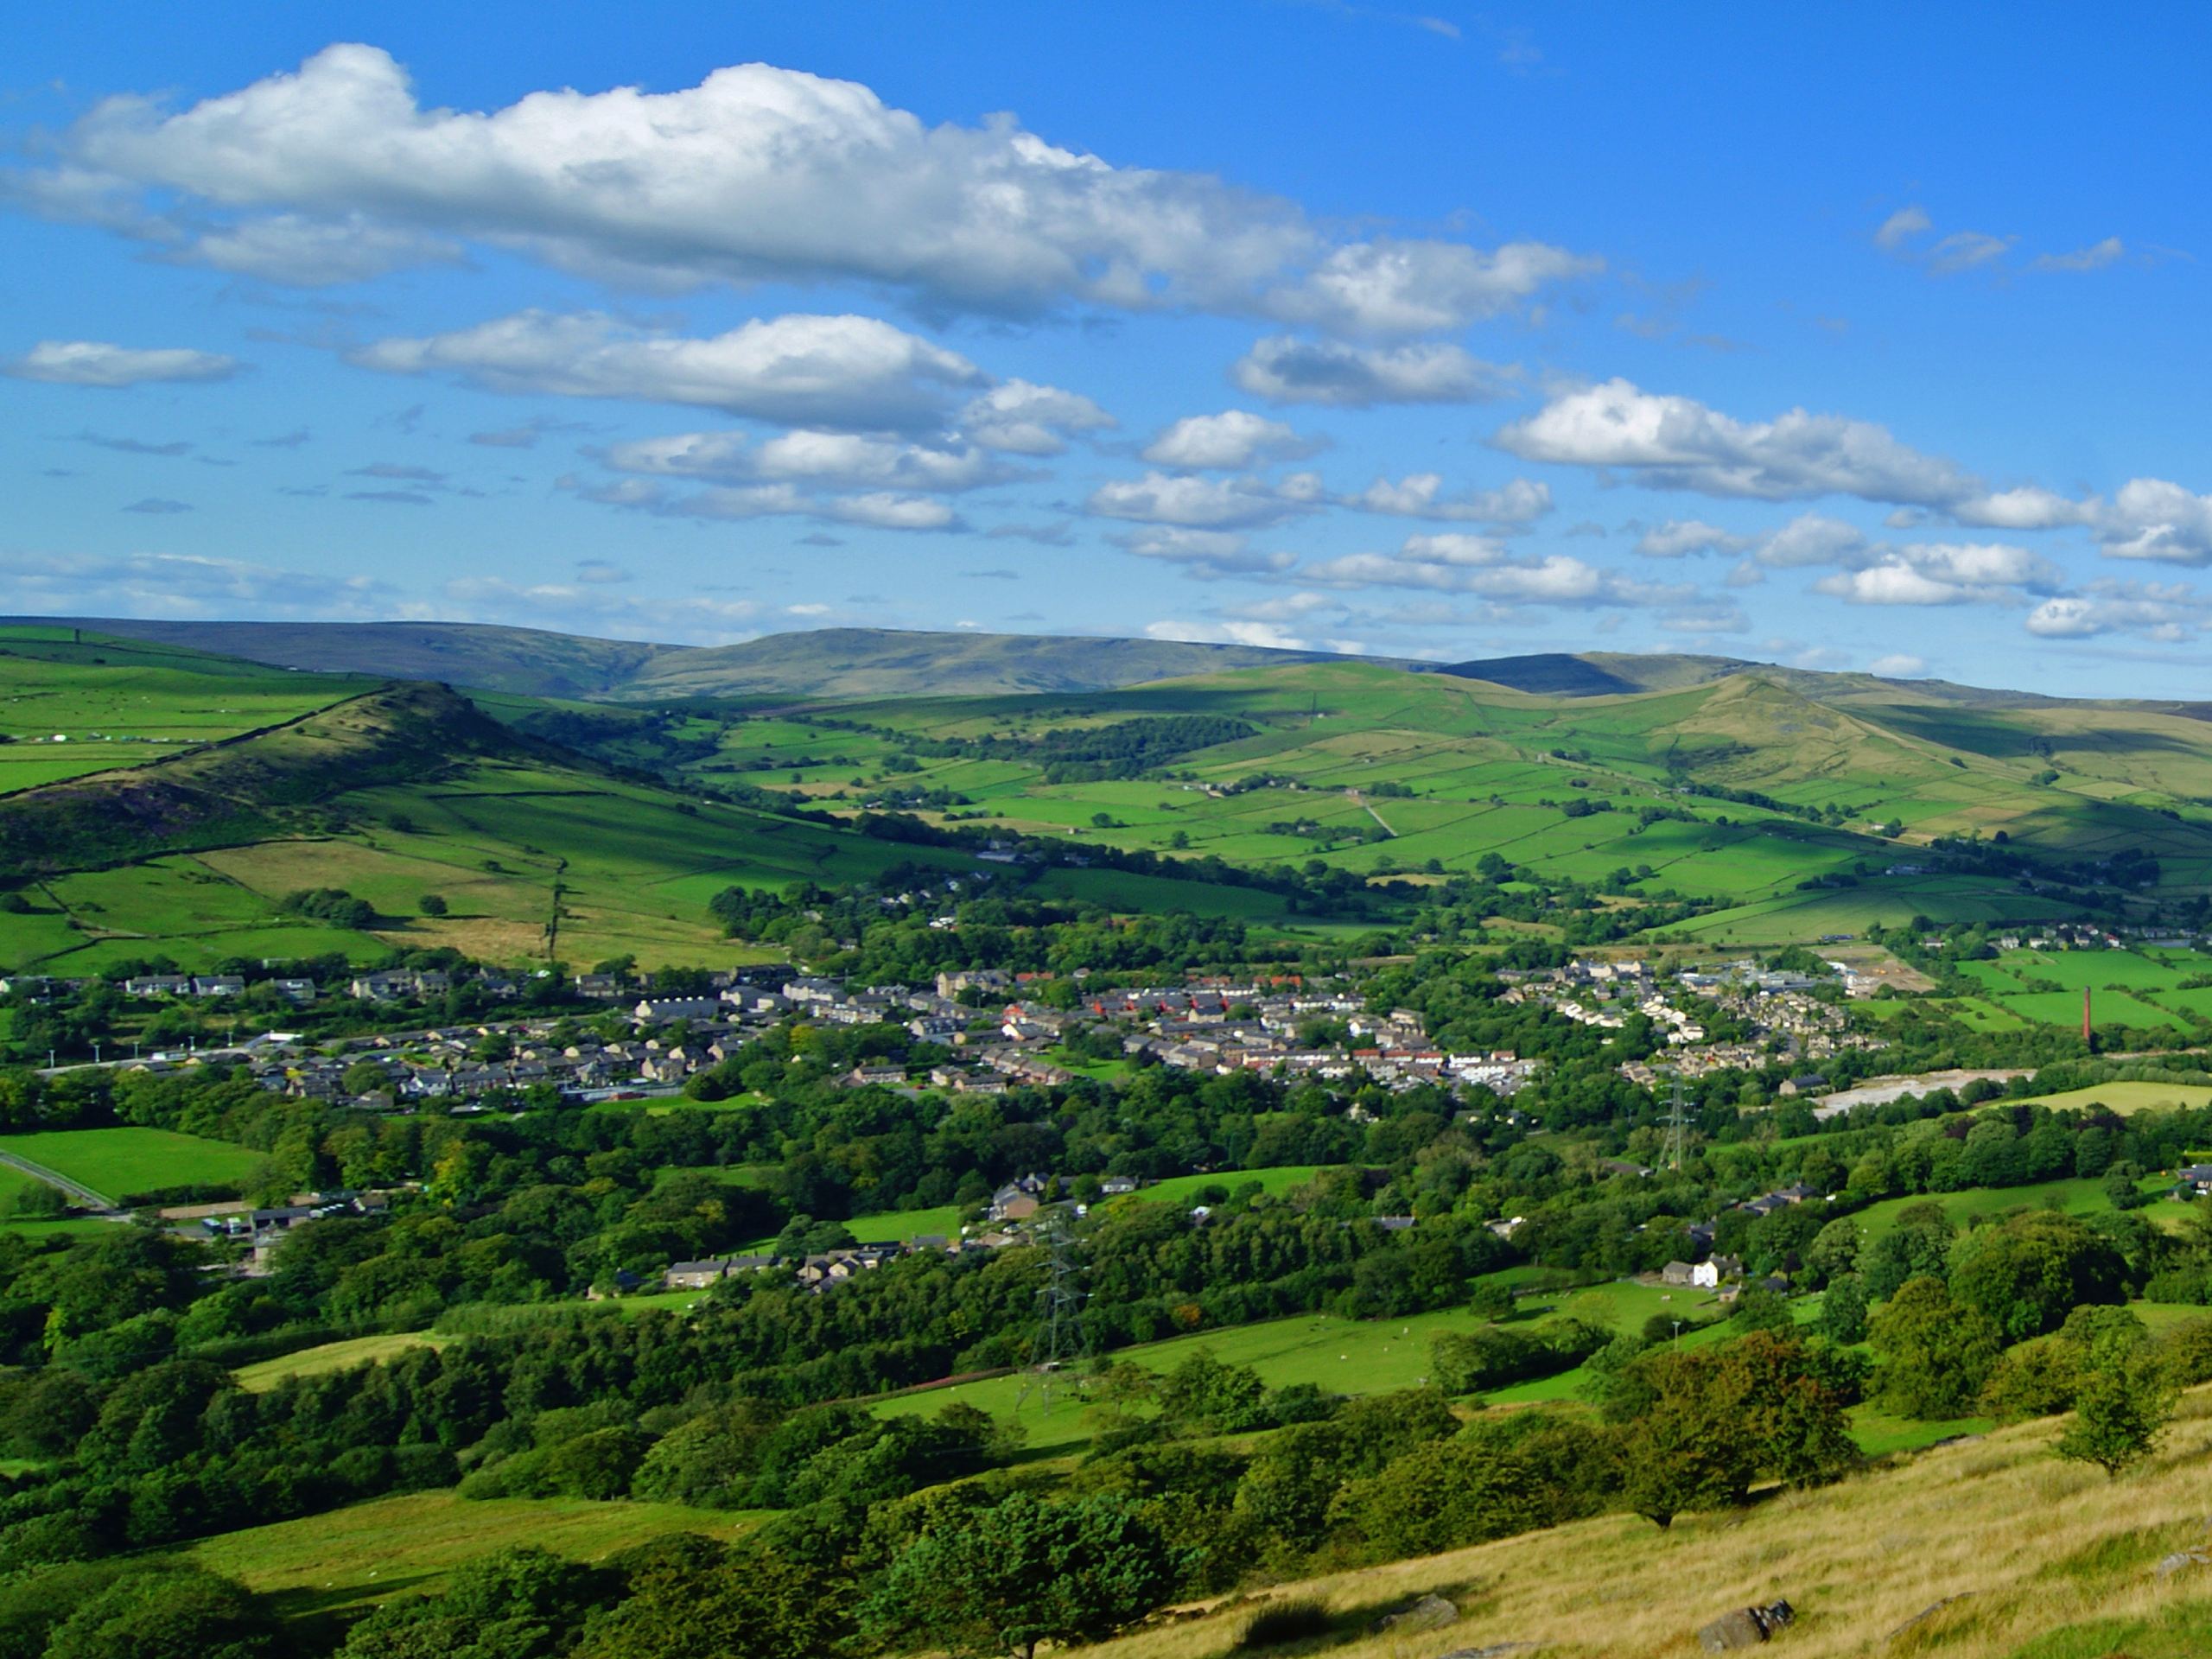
[{"x": 252, "y": 787}]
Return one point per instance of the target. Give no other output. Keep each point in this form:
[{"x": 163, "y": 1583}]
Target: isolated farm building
[
  {"x": 1678, "y": 1273},
  {"x": 1709, "y": 1275},
  {"x": 2197, "y": 1178}
]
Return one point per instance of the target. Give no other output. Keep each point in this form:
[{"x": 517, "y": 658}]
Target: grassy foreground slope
[{"x": 2031, "y": 1558}]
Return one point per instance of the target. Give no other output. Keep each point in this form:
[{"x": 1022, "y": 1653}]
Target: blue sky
[{"x": 1851, "y": 339}]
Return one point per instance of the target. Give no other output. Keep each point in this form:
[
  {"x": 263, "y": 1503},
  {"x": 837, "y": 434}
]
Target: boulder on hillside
[
  {"x": 1429, "y": 1613},
  {"x": 1745, "y": 1627}
]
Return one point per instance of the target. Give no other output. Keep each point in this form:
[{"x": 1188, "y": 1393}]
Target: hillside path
[{"x": 1360, "y": 801}]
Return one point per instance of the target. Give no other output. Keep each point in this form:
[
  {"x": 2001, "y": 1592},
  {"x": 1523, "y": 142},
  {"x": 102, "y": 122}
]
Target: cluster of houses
[
  {"x": 989, "y": 1045},
  {"x": 393, "y": 985},
  {"x": 1782, "y": 1016}
]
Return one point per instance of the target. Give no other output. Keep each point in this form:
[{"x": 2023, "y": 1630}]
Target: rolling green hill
[
  {"x": 817, "y": 663},
  {"x": 386, "y": 792},
  {"x": 196, "y": 791}
]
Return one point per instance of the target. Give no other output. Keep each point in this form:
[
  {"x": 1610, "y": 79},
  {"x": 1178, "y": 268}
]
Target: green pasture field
[
  {"x": 2106, "y": 1008},
  {"x": 116, "y": 1162},
  {"x": 265, "y": 1375},
  {"x": 889, "y": 1227},
  {"x": 2084, "y": 1196},
  {"x": 1891, "y": 901},
  {"x": 1982, "y": 1014},
  {"x": 2126, "y": 1097},
  {"x": 1340, "y": 1355},
  {"x": 1879, "y": 1435},
  {"x": 1185, "y": 1188},
  {"x": 355, "y": 1559},
  {"x": 1152, "y": 895},
  {"x": 2075, "y": 970}
]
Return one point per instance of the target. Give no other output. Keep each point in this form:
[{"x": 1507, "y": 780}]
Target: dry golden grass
[{"x": 2031, "y": 1546}]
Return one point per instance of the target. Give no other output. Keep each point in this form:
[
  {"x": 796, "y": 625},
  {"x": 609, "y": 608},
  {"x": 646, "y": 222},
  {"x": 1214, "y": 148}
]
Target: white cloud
[
  {"x": 1892, "y": 584},
  {"x": 1392, "y": 287},
  {"x": 1900, "y": 228},
  {"x": 1673, "y": 443},
  {"x": 1968, "y": 250},
  {"x": 1205, "y": 554},
  {"x": 691, "y": 619},
  {"x": 1024, "y": 419},
  {"x": 1898, "y": 665},
  {"x": 758, "y": 174},
  {"x": 1458, "y": 562},
  {"x": 2151, "y": 519},
  {"x": 2168, "y": 613},
  {"x": 304, "y": 252},
  {"x": 2097, "y": 257},
  {"x": 95, "y": 363},
  {"x": 1420, "y": 495},
  {"x": 2022, "y": 509},
  {"x": 878, "y": 509},
  {"x": 1940, "y": 574},
  {"x": 1680, "y": 538},
  {"x": 1233, "y": 439},
  {"x": 1706, "y": 616},
  {"x": 820, "y": 459},
  {"x": 1193, "y": 503},
  {"x": 1287, "y": 371},
  {"x": 181, "y": 585},
  {"x": 799, "y": 370},
  {"x": 1225, "y": 632}
]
